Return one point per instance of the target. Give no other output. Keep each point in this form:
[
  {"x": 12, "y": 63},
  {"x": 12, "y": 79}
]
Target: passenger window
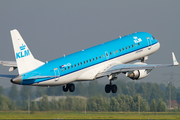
[
  {"x": 62, "y": 70},
  {"x": 90, "y": 60},
  {"x": 106, "y": 54},
  {"x": 81, "y": 63},
  {"x": 132, "y": 45},
  {"x": 103, "y": 55},
  {"x": 129, "y": 46},
  {"x": 120, "y": 50},
  {"x": 135, "y": 44},
  {"x": 114, "y": 52},
  {"x": 123, "y": 48},
  {"x": 65, "y": 68},
  {"x": 126, "y": 48},
  {"x": 138, "y": 43},
  {"x": 93, "y": 59},
  {"x": 72, "y": 66},
  {"x": 87, "y": 61},
  {"x": 110, "y": 53},
  {"x": 75, "y": 65},
  {"x": 117, "y": 51},
  {"x": 78, "y": 64},
  {"x": 99, "y": 56},
  {"x": 84, "y": 62},
  {"x": 68, "y": 67}
]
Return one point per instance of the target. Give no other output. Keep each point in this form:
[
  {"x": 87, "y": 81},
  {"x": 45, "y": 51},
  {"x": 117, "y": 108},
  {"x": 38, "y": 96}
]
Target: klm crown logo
[
  {"x": 23, "y": 47},
  {"x": 137, "y": 40},
  {"x": 23, "y": 52}
]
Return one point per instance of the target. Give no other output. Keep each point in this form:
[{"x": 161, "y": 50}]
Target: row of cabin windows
[{"x": 81, "y": 63}]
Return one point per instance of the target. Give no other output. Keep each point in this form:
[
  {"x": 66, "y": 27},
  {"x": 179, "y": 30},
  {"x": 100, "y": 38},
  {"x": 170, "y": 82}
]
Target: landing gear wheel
[
  {"x": 71, "y": 87},
  {"x": 107, "y": 88},
  {"x": 65, "y": 88},
  {"x": 110, "y": 87},
  {"x": 114, "y": 88}
]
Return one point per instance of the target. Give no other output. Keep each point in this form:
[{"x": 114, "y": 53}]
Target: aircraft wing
[
  {"x": 12, "y": 65},
  {"x": 131, "y": 67},
  {"x": 9, "y": 63}
]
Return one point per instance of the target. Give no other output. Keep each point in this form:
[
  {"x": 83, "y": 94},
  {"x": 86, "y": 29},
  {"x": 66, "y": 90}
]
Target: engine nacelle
[{"x": 138, "y": 74}]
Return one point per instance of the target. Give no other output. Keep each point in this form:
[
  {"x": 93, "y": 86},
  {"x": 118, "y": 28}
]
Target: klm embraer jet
[{"x": 107, "y": 59}]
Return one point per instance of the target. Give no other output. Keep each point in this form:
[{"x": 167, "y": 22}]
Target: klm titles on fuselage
[{"x": 23, "y": 52}]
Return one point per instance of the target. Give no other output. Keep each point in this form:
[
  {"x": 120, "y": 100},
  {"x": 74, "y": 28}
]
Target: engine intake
[
  {"x": 138, "y": 74},
  {"x": 134, "y": 75}
]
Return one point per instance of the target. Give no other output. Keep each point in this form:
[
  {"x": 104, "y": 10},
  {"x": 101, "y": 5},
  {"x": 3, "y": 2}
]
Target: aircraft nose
[{"x": 17, "y": 80}]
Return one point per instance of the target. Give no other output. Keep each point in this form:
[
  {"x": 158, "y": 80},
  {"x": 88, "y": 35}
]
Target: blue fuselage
[{"x": 133, "y": 43}]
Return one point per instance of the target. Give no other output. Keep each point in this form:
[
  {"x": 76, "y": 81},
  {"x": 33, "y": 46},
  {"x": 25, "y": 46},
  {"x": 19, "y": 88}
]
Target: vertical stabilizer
[{"x": 24, "y": 58}]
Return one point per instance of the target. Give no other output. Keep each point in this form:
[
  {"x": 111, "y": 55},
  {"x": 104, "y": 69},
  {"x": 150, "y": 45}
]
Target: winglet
[{"x": 175, "y": 63}]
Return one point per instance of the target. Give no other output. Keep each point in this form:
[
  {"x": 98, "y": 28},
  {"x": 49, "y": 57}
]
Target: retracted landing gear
[
  {"x": 110, "y": 87},
  {"x": 70, "y": 87}
]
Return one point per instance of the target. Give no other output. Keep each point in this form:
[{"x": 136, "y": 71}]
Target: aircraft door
[
  {"x": 57, "y": 74},
  {"x": 149, "y": 43}
]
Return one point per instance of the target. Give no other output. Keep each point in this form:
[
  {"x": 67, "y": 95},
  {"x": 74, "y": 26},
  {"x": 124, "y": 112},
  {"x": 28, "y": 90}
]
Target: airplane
[{"x": 107, "y": 59}]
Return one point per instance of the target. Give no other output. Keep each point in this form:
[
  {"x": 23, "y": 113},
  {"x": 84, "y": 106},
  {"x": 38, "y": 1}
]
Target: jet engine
[{"x": 138, "y": 74}]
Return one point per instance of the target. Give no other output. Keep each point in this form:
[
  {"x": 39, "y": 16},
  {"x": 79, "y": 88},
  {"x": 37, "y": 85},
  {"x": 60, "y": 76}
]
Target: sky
[{"x": 52, "y": 28}]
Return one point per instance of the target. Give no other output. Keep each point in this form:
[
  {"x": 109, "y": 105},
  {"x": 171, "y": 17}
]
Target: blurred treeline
[{"x": 131, "y": 96}]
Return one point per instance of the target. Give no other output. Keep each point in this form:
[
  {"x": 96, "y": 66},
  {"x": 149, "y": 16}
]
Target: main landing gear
[
  {"x": 70, "y": 87},
  {"x": 109, "y": 87}
]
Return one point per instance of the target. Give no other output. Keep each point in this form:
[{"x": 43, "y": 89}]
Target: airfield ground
[{"x": 88, "y": 115}]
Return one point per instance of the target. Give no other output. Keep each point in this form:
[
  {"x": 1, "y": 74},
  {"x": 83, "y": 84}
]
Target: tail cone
[{"x": 17, "y": 80}]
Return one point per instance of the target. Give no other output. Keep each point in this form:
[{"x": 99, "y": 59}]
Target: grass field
[{"x": 88, "y": 115}]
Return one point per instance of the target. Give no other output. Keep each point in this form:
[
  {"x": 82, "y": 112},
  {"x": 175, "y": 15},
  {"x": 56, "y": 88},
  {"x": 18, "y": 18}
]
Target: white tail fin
[{"x": 24, "y": 58}]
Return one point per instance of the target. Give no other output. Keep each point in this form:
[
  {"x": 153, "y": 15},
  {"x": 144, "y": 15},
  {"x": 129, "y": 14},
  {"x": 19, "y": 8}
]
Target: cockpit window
[{"x": 153, "y": 38}]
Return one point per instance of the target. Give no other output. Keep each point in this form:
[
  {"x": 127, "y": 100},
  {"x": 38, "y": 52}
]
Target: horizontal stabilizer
[{"x": 7, "y": 76}]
